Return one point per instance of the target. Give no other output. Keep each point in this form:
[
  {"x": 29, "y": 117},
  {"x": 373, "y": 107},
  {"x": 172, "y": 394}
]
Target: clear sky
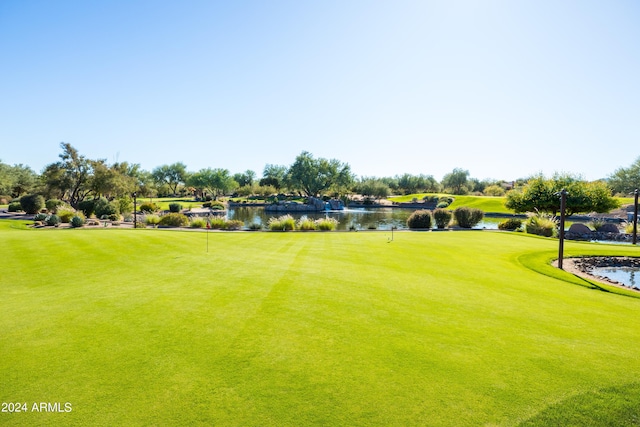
[{"x": 504, "y": 89}]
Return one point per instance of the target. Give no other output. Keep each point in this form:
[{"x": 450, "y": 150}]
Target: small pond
[
  {"x": 348, "y": 219},
  {"x": 628, "y": 276}
]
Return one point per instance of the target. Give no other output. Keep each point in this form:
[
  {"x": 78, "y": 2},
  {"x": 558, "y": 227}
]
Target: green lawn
[{"x": 144, "y": 327}]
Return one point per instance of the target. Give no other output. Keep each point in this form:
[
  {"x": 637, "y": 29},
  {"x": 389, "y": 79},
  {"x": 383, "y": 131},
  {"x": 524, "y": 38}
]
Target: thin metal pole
[
  {"x": 135, "y": 213},
  {"x": 635, "y": 216},
  {"x": 563, "y": 204}
]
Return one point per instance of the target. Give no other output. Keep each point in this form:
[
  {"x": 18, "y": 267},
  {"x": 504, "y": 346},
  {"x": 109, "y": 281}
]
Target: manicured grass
[
  {"x": 485, "y": 203},
  {"x": 144, "y": 327}
]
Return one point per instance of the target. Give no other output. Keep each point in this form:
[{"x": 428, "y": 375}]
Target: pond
[
  {"x": 348, "y": 219},
  {"x": 628, "y": 276}
]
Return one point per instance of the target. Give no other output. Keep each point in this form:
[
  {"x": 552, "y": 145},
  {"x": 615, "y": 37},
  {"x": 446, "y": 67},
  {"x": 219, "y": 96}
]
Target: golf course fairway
[{"x": 145, "y": 327}]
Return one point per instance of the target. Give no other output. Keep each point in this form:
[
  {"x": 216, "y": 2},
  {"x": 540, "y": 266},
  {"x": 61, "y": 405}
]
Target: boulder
[
  {"x": 579, "y": 228},
  {"x": 609, "y": 228}
]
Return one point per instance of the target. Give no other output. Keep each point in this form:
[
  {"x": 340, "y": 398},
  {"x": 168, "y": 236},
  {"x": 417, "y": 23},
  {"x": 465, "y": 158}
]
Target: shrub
[
  {"x": 4, "y": 200},
  {"x": 327, "y": 224},
  {"x": 420, "y": 219},
  {"x": 468, "y": 217},
  {"x": 152, "y": 220},
  {"x": 140, "y": 224},
  {"x": 66, "y": 215},
  {"x": 175, "y": 207},
  {"x": 494, "y": 190},
  {"x": 53, "y": 220},
  {"x": 114, "y": 217},
  {"x": 87, "y": 207},
  {"x": 174, "y": 220},
  {"x": 282, "y": 223},
  {"x": 217, "y": 223},
  {"x": 510, "y": 224},
  {"x": 306, "y": 224},
  {"x": 103, "y": 207},
  {"x": 149, "y": 207},
  {"x": 442, "y": 217},
  {"x": 14, "y": 207},
  {"x": 40, "y": 217},
  {"x": 233, "y": 224},
  {"x": 215, "y": 205},
  {"x": 541, "y": 224},
  {"x": 198, "y": 223},
  {"x": 125, "y": 204},
  {"x": 53, "y": 205},
  {"x": 255, "y": 226},
  {"x": 77, "y": 221},
  {"x": 32, "y": 203},
  {"x": 442, "y": 205},
  {"x": 597, "y": 223}
]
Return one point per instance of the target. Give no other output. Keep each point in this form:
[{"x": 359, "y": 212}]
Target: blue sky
[{"x": 504, "y": 89}]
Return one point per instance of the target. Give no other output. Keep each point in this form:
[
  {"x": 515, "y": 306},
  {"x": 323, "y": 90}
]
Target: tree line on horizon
[{"x": 74, "y": 178}]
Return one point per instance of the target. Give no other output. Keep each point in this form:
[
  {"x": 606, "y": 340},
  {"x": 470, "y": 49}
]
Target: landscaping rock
[
  {"x": 579, "y": 228},
  {"x": 609, "y": 228}
]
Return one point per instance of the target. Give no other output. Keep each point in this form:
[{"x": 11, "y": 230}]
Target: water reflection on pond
[
  {"x": 348, "y": 219},
  {"x": 629, "y": 276}
]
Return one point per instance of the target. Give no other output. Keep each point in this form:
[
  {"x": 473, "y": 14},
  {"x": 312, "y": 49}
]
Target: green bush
[
  {"x": 420, "y": 219},
  {"x": 597, "y": 223},
  {"x": 14, "y": 207},
  {"x": 152, "y": 220},
  {"x": 32, "y": 203},
  {"x": 327, "y": 224},
  {"x": 255, "y": 226},
  {"x": 215, "y": 205},
  {"x": 442, "y": 217},
  {"x": 233, "y": 224},
  {"x": 87, "y": 207},
  {"x": 114, "y": 217},
  {"x": 468, "y": 217},
  {"x": 542, "y": 225},
  {"x": 442, "y": 205},
  {"x": 53, "y": 220},
  {"x": 198, "y": 223},
  {"x": 306, "y": 224},
  {"x": 149, "y": 207},
  {"x": 282, "y": 223},
  {"x": 66, "y": 215},
  {"x": 125, "y": 205},
  {"x": 53, "y": 205},
  {"x": 40, "y": 217},
  {"x": 217, "y": 223},
  {"x": 175, "y": 207},
  {"x": 103, "y": 207},
  {"x": 140, "y": 224},
  {"x": 494, "y": 190},
  {"x": 174, "y": 220},
  {"x": 510, "y": 224},
  {"x": 77, "y": 221}
]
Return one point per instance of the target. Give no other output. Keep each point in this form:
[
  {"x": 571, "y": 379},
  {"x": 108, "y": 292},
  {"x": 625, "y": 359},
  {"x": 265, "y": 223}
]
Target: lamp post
[
  {"x": 135, "y": 211},
  {"x": 635, "y": 216},
  {"x": 563, "y": 205}
]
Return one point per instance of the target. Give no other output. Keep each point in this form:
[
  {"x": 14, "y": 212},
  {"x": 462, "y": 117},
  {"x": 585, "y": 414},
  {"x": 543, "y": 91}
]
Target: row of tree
[{"x": 75, "y": 178}]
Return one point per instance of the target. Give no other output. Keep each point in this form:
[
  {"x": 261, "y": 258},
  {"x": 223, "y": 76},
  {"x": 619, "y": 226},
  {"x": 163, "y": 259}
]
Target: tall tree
[
  {"x": 69, "y": 177},
  {"x": 217, "y": 181},
  {"x": 274, "y": 175},
  {"x": 456, "y": 181},
  {"x": 314, "y": 176},
  {"x": 172, "y": 175},
  {"x": 626, "y": 180}
]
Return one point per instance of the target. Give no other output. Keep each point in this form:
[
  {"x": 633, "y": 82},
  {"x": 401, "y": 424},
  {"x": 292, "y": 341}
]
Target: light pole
[
  {"x": 135, "y": 211},
  {"x": 563, "y": 205},
  {"x": 635, "y": 216}
]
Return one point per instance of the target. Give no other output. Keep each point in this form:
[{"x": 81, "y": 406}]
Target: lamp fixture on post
[
  {"x": 635, "y": 216},
  {"x": 563, "y": 205},
  {"x": 135, "y": 211}
]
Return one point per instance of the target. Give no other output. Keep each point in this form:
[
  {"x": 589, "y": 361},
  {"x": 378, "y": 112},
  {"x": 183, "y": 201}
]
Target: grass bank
[{"x": 144, "y": 327}]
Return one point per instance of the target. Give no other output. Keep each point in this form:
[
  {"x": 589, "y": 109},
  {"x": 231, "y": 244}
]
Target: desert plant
[
  {"x": 217, "y": 223},
  {"x": 77, "y": 221},
  {"x": 233, "y": 224},
  {"x": 282, "y": 223},
  {"x": 14, "y": 207},
  {"x": 66, "y": 215},
  {"x": 254, "y": 226},
  {"x": 326, "y": 224},
  {"x": 198, "y": 223},
  {"x": 32, "y": 203},
  {"x": 104, "y": 207},
  {"x": 174, "y": 220},
  {"x": 596, "y": 223},
  {"x": 152, "y": 220},
  {"x": 40, "y": 217},
  {"x": 125, "y": 204},
  {"x": 149, "y": 207},
  {"x": 215, "y": 205},
  {"x": 175, "y": 207},
  {"x": 420, "y": 219},
  {"x": 442, "y": 217},
  {"x": 53, "y": 205},
  {"x": 510, "y": 224},
  {"x": 53, "y": 220},
  {"x": 306, "y": 224},
  {"x": 114, "y": 217},
  {"x": 87, "y": 207},
  {"x": 140, "y": 224},
  {"x": 467, "y": 217},
  {"x": 494, "y": 190},
  {"x": 541, "y": 224}
]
